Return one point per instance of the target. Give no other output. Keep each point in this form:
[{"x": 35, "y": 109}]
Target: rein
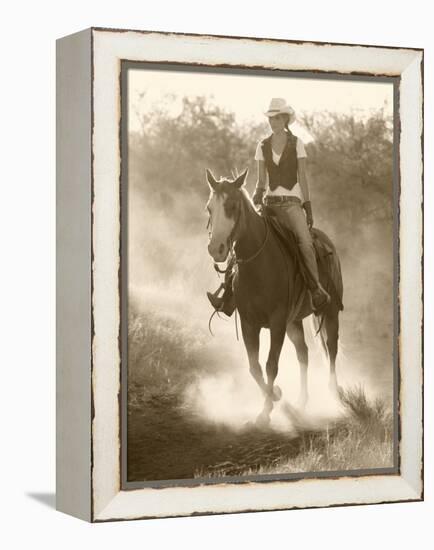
[
  {"x": 231, "y": 241},
  {"x": 243, "y": 261},
  {"x": 238, "y": 261}
]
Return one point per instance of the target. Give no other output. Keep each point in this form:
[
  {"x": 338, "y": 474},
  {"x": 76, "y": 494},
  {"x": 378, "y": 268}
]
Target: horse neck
[{"x": 251, "y": 232}]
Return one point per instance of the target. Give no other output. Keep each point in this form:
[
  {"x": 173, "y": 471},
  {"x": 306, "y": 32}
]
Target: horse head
[{"x": 224, "y": 207}]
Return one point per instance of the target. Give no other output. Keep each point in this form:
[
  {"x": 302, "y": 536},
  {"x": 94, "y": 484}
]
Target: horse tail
[{"x": 318, "y": 330}]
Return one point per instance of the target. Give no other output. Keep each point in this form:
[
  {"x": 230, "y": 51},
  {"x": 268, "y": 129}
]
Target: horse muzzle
[{"x": 218, "y": 251}]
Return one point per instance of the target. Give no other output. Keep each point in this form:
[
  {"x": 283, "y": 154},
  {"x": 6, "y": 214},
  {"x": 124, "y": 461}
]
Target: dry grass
[
  {"x": 362, "y": 439},
  {"x": 164, "y": 355}
]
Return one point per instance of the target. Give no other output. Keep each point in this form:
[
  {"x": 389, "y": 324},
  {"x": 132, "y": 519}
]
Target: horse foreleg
[
  {"x": 296, "y": 335},
  {"x": 273, "y": 393},
  {"x": 251, "y": 341},
  {"x": 276, "y": 341}
]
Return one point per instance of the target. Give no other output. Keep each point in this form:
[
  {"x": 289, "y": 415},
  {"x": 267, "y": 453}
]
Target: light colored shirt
[{"x": 296, "y": 190}]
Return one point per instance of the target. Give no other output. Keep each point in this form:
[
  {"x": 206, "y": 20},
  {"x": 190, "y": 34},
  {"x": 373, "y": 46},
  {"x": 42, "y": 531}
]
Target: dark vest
[{"x": 284, "y": 173}]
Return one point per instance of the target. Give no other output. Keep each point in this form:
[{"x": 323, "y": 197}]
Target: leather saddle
[{"x": 327, "y": 259}]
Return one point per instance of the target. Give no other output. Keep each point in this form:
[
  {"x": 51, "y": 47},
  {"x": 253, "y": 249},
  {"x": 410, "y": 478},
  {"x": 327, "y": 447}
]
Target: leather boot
[
  {"x": 215, "y": 299},
  {"x": 225, "y": 303},
  {"x": 229, "y": 305},
  {"x": 320, "y": 299}
]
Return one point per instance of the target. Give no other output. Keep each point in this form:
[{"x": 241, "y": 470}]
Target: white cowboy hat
[{"x": 278, "y": 106}]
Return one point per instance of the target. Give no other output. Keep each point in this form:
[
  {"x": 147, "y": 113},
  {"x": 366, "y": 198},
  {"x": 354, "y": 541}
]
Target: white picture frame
[{"x": 88, "y": 261}]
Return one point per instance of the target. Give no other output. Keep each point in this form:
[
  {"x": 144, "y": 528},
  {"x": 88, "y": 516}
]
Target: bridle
[
  {"x": 232, "y": 241},
  {"x": 237, "y": 261},
  {"x": 244, "y": 261}
]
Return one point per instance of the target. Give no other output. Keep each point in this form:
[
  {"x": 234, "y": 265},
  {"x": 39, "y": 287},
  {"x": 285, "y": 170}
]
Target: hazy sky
[{"x": 249, "y": 96}]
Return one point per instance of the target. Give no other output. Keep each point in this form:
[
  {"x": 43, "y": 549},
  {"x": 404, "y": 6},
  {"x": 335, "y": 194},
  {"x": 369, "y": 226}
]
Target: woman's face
[{"x": 277, "y": 122}]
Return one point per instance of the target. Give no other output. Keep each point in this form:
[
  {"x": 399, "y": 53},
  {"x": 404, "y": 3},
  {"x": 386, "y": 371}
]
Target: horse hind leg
[
  {"x": 295, "y": 333},
  {"x": 331, "y": 323},
  {"x": 277, "y": 335}
]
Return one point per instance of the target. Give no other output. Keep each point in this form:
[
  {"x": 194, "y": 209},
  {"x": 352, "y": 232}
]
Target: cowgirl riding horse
[{"x": 282, "y": 157}]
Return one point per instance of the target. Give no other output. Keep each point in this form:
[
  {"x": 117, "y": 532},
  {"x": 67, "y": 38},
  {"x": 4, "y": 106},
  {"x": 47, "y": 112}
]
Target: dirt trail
[{"x": 168, "y": 440}]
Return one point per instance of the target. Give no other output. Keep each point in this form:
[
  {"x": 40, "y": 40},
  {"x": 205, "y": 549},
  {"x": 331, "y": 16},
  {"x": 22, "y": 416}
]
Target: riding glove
[{"x": 258, "y": 196}]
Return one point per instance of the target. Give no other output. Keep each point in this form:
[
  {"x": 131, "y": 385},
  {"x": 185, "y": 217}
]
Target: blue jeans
[{"x": 291, "y": 215}]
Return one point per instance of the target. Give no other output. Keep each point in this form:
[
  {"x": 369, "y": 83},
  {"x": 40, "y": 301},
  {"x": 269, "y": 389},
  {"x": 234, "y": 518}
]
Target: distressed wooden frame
[{"x": 88, "y": 273}]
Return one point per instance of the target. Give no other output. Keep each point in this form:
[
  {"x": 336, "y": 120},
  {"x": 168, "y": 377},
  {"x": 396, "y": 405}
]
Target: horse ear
[
  {"x": 239, "y": 182},
  {"x": 211, "y": 180}
]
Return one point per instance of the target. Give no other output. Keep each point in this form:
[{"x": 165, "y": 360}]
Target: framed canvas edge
[
  {"x": 73, "y": 275},
  {"x": 255, "y": 38},
  {"x": 117, "y": 508},
  {"x": 113, "y": 506}
]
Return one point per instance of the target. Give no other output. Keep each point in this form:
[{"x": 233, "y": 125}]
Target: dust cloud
[{"x": 169, "y": 273}]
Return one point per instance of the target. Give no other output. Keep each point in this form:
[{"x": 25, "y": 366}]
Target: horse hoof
[{"x": 277, "y": 393}]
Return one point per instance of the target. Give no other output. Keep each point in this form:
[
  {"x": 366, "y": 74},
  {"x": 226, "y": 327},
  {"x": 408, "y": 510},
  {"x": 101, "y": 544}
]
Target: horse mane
[
  {"x": 247, "y": 209},
  {"x": 248, "y": 200}
]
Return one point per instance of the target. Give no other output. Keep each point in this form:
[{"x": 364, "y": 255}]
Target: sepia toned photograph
[{"x": 259, "y": 303}]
